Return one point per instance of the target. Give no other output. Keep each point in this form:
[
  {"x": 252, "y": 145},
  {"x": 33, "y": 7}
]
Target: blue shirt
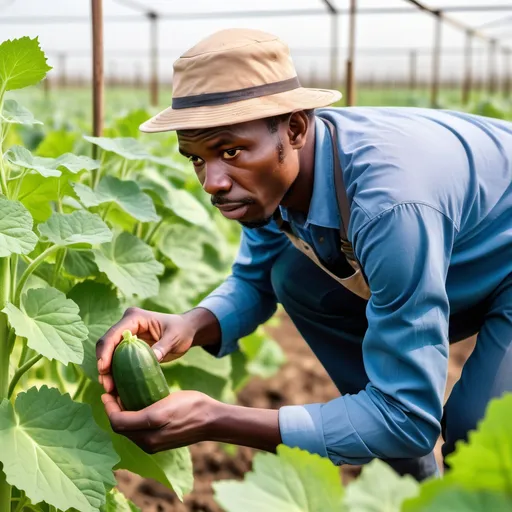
[{"x": 431, "y": 224}]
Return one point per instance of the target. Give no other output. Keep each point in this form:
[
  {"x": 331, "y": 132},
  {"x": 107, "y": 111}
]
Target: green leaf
[
  {"x": 127, "y": 147},
  {"x": 457, "y": 499},
  {"x": 128, "y": 125},
  {"x": 22, "y": 63},
  {"x": 18, "y": 155},
  {"x": 126, "y": 194},
  {"x": 56, "y": 143},
  {"x": 485, "y": 461},
  {"x": 76, "y": 163},
  {"x": 130, "y": 264},
  {"x": 36, "y": 194},
  {"x": 51, "y": 324},
  {"x": 379, "y": 489},
  {"x": 80, "y": 264},
  {"x": 182, "y": 245},
  {"x": 118, "y": 502},
  {"x": 99, "y": 309},
  {"x": 178, "y": 201},
  {"x": 292, "y": 481},
  {"x": 183, "y": 289},
  {"x": 78, "y": 227},
  {"x": 16, "y": 235},
  {"x": 172, "y": 468},
  {"x": 14, "y": 113},
  {"x": 264, "y": 355},
  {"x": 53, "y": 450}
]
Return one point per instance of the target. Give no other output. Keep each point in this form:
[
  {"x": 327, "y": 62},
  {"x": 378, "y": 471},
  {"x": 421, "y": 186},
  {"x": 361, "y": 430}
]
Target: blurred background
[{"x": 447, "y": 53}]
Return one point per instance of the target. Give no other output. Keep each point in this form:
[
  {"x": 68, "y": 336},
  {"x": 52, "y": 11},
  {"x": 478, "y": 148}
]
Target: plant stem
[
  {"x": 81, "y": 386},
  {"x": 5, "y": 281},
  {"x": 22, "y": 502},
  {"x": 19, "y": 180},
  {"x": 54, "y": 365},
  {"x": 96, "y": 174},
  {"x": 14, "y": 271},
  {"x": 20, "y": 371},
  {"x": 59, "y": 199},
  {"x": 124, "y": 168},
  {"x": 152, "y": 232},
  {"x": 29, "y": 271},
  {"x": 61, "y": 255},
  {"x": 106, "y": 210}
]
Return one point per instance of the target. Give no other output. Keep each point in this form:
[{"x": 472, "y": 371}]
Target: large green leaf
[
  {"x": 36, "y": 194},
  {"x": 178, "y": 201},
  {"x": 57, "y": 143},
  {"x": 379, "y": 489},
  {"x": 182, "y": 244},
  {"x": 80, "y": 264},
  {"x": 127, "y": 147},
  {"x": 264, "y": 355},
  {"x": 22, "y": 63},
  {"x": 292, "y": 481},
  {"x": 128, "y": 125},
  {"x": 457, "y": 499},
  {"x": 130, "y": 264},
  {"x": 14, "y": 113},
  {"x": 485, "y": 461},
  {"x": 53, "y": 450},
  {"x": 18, "y": 155},
  {"x": 51, "y": 324},
  {"x": 16, "y": 235},
  {"x": 76, "y": 163},
  {"x": 183, "y": 289},
  {"x": 118, "y": 502},
  {"x": 172, "y": 468},
  {"x": 78, "y": 227},
  {"x": 99, "y": 310},
  {"x": 126, "y": 194}
]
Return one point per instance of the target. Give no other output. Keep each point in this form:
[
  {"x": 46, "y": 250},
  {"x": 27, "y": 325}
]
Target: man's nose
[{"x": 216, "y": 180}]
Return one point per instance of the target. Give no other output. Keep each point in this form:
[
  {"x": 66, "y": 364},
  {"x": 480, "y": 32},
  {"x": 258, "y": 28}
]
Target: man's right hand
[{"x": 170, "y": 336}]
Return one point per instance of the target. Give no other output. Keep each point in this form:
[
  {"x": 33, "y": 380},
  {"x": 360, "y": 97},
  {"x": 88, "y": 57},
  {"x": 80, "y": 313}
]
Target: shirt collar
[{"x": 323, "y": 209}]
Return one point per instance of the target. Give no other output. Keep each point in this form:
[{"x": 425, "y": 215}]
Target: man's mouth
[{"x": 233, "y": 210}]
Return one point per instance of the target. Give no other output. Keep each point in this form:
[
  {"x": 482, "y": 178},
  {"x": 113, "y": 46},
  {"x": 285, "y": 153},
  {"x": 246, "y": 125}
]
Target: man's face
[{"x": 246, "y": 168}]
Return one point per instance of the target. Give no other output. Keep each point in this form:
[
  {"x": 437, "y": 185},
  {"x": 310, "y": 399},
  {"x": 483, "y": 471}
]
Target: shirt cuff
[
  {"x": 301, "y": 426},
  {"x": 223, "y": 310}
]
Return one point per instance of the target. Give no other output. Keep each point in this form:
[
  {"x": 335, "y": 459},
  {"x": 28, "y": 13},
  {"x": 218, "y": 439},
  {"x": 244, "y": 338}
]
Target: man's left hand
[{"x": 181, "y": 419}]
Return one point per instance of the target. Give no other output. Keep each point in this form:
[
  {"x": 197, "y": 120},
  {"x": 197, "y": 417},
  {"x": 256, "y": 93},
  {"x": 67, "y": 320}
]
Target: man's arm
[{"x": 405, "y": 253}]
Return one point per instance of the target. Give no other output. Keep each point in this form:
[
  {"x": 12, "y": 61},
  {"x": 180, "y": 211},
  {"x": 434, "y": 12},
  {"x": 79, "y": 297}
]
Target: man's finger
[{"x": 125, "y": 421}]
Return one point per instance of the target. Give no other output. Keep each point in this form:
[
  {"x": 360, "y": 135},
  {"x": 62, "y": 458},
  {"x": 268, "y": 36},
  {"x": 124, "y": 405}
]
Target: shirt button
[{"x": 321, "y": 239}]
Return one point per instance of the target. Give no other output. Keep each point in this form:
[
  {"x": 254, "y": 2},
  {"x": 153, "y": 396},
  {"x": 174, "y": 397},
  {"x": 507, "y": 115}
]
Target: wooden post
[
  {"x": 492, "y": 83},
  {"x": 467, "y": 82},
  {"x": 413, "y": 69},
  {"x": 351, "y": 86},
  {"x": 334, "y": 50},
  {"x": 436, "y": 62},
  {"x": 97, "y": 70},
  {"x": 62, "y": 68},
  {"x": 153, "y": 35},
  {"x": 46, "y": 87}
]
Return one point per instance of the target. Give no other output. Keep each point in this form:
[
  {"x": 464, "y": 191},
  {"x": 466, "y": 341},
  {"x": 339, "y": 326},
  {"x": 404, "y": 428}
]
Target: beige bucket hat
[{"x": 234, "y": 76}]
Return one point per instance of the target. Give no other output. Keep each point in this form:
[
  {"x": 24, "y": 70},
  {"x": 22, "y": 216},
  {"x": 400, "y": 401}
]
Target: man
[{"x": 385, "y": 233}]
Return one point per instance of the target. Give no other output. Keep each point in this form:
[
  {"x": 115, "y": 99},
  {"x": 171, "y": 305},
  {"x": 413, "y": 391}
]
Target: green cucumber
[{"x": 138, "y": 377}]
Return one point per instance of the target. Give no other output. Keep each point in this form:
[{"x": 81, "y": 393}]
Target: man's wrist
[
  {"x": 204, "y": 325},
  {"x": 244, "y": 426}
]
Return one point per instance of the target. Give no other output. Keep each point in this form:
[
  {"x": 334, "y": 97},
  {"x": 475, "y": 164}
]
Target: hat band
[{"x": 221, "y": 98}]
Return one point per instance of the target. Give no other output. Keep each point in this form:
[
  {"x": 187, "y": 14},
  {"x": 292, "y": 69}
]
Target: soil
[{"x": 301, "y": 380}]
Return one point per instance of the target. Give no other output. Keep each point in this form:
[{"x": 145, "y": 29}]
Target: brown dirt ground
[{"x": 301, "y": 380}]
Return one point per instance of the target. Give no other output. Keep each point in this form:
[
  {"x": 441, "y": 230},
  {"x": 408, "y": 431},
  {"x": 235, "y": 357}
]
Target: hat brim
[{"x": 241, "y": 111}]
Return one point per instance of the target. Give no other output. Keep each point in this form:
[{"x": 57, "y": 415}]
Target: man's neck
[{"x": 299, "y": 195}]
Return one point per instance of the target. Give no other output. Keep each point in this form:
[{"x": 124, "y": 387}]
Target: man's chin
[{"x": 254, "y": 224}]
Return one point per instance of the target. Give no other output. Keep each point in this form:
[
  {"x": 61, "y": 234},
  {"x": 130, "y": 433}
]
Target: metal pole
[
  {"x": 351, "y": 86},
  {"x": 334, "y": 50},
  {"x": 153, "y": 82},
  {"x": 468, "y": 64},
  {"x": 413, "y": 69},
  {"x": 97, "y": 70},
  {"x": 436, "y": 62},
  {"x": 492, "y": 67}
]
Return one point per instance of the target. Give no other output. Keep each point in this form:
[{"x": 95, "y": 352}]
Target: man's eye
[
  {"x": 230, "y": 153},
  {"x": 195, "y": 160}
]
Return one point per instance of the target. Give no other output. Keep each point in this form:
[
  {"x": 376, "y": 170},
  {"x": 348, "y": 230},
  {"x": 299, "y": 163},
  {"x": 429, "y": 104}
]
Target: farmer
[{"x": 385, "y": 233}]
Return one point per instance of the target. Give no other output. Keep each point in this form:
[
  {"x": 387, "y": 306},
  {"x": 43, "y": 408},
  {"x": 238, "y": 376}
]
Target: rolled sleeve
[
  {"x": 405, "y": 253},
  {"x": 246, "y": 299}
]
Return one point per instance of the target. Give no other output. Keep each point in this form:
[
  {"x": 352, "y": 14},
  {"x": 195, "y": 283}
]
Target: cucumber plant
[{"x": 81, "y": 239}]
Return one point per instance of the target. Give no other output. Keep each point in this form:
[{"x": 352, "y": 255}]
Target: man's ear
[{"x": 298, "y": 126}]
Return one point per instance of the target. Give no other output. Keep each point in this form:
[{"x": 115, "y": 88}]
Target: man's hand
[
  {"x": 170, "y": 336},
  {"x": 181, "y": 419}
]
